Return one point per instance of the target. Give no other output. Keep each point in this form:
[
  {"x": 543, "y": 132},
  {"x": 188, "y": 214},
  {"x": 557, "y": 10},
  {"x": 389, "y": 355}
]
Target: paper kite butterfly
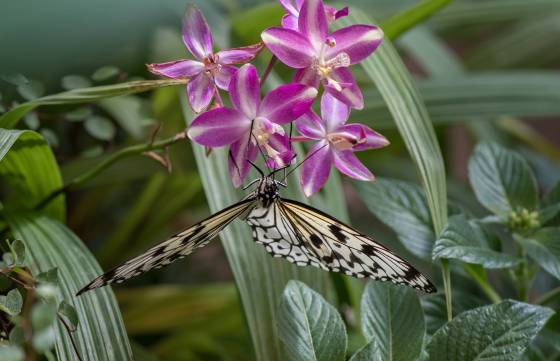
[{"x": 295, "y": 231}]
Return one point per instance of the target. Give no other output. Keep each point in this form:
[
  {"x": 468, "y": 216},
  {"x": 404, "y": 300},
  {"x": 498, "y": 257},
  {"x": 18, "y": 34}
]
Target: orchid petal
[
  {"x": 315, "y": 170},
  {"x": 312, "y": 22},
  {"x": 307, "y": 76},
  {"x": 287, "y": 103},
  {"x": 350, "y": 94},
  {"x": 333, "y": 111},
  {"x": 369, "y": 139},
  {"x": 177, "y": 69},
  {"x": 311, "y": 126},
  {"x": 239, "y": 55},
  {"x": 219, "y": 127},
  {"x": 200, "y": 91},
  {"x": 291, "y": 47},
  {"x": 244, "y": 90},
  {"x": 241, "y": 152},
  {"x": 357, "y": 41},
  {"x": 280, "y": 151},
  {"x": 196, "y": 33},
  {"x": 290, "y": 7},
  {"x": 223, "y": 77},
  {"x": 290, "y": 22},
  {"x": 341, "y": 13},
  {"x": 346, "y": 162}
]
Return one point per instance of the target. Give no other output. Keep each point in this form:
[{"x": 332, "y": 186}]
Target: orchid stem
[
  {"x": 268, "y": 69},
  {"x": 113, "y": 158}
]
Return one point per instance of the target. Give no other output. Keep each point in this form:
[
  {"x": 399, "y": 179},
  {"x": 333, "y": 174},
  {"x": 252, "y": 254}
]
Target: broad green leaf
[
  {"x": 310, "y": 328},
  {"x": 100, "y": 127},
  {"x": 499, "y": 332},
  {"x": 392, "y": 317},
  {"x": 550, "y": 207},
  {"x": 403, "y": 207},
  {"x": 502, "y": 180},
  {"x": 411, "y": 17},
  {"x": 544, "y": 247},
  {"x": 386, "y": 69},
  {"x": 84, "y": 95},
  {"x": 369, "y": 352},
  {"x": 29, "y": 166},
  {"x": 467, "y": 242},
  {"x": 12, "y": 302},
  {"x": 11, "y": 353},
  {"x": 18, "y": 250},
  {"x": 50, "y": 244}
]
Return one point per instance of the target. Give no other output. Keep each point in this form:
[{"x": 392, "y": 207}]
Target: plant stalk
[
  {"x": 446, "y": 274},
  {"x": 484, "y": 284}
]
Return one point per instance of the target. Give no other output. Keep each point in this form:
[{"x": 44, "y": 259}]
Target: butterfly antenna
[
  {"x": 304, "y": 160},
  {"x": 257, "y": 168}
]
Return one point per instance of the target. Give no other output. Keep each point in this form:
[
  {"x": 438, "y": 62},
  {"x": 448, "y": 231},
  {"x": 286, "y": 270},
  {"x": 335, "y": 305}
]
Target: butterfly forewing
[
  {"x": 174, "y": 248},
  {"x": 306, "y": 236}
]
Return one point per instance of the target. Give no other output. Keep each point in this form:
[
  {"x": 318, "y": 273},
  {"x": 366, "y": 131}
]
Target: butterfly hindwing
[
  {"x": 174, "y": 248},
  {"x": 306, "y": 236}
]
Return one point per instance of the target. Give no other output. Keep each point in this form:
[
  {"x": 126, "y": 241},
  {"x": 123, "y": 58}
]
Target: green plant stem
[
  {"x": 113, "y": 158},
  {"x": 411, "y": 17},
  {"x": 484, "y": 284},
  {"x": 446, "y": 274},
  {"x": 549, "y": 297}
]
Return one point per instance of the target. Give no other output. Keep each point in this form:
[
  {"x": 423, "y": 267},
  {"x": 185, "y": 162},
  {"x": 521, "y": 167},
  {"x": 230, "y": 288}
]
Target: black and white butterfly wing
[
  {"x": 176, "y": 247},
  {"x": 306, "y": 236}
]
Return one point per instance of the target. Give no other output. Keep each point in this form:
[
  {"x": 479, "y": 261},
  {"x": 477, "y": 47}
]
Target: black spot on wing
[
  {"x": 368, "y": 249},
  {"x": 337, "y": 232},
  {"x": 316, "y": 240}
]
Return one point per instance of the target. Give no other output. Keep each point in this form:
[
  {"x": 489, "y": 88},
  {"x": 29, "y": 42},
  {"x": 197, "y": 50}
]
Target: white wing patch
[
  {"x": 306, "y": 236},
  {"x": 176, "y": 247}
]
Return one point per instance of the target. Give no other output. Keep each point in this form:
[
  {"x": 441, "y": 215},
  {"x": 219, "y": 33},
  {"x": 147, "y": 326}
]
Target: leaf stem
[
  {"x": 113, "y": 158},
  {"x": 549, "y": 297},
  {"x": 268, "y": 69},
  {"x": 446, "y": 273},
  {"x": 483, "y": 283},
  {"x": 412, "y": 16}
]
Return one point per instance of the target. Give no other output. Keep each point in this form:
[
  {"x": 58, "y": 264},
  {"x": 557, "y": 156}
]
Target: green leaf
[
  {"x": 105, "y": 72},
  {"x": 411, "y": 17},
  {"x": 130, "y": 112},
  {"x": 15, "y": 79},
  {"x": 11, "y": 353},
  {"x": 84, "y": 95},
  {"x": 310, "y": 328},
  {"x": 544, "y": 247},
  {"x": 68, "y": 311},
  {"x": 466, "y": 241},
  {"x": 31, "y": 90},
  {"x": 100, "y": 127},
  {"x": 12, "y": 302},
  {"x": 392, "y": 316},
  {"x": 50, "y": 244},
  {"x": 369, "y": 352},
  {"x": 16, "y": 336},
  {"x": 44, "y": 340},
  {"x": 502, "y": 180},
  {"x": 49, "y": 276},
  {"x": 550, "y": 207},
  {"x": 18, "y": 250},
  {"x": 70, "y": 82},
  {"x": 29, "y": 166},
  {"x": 43, "y": 316},
  {"x": 498, "y": 332},
  {"x": 79, "y": 114},
  {"x": 403, "y": 207},
  {"x": 386, "y": 69}
]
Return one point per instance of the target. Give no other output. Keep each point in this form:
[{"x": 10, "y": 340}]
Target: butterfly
[{"x": 286, "y": 228}]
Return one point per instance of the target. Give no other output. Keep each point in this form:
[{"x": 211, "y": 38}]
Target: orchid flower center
[
  {"x": 263, "y": 129},
  {"x": 324, "y": 67},
  {"x": 344, "y": 141},
  {"x": 211, "y": 66}
]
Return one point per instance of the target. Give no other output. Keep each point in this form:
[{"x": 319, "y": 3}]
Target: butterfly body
[{"x": 289, "y": 229}]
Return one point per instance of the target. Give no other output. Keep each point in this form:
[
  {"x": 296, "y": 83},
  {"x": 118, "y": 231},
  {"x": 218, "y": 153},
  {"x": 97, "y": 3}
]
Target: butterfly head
[{"x": 267, "y": 191}]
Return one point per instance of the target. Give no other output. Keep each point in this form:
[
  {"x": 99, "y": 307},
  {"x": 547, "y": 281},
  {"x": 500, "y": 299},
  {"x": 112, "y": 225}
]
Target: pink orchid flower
[
  {"x": 336, "y": 144},
  {"x": 211, "y": 69},
  {"x": 292, "y": 7},
  {"x": 320, "y": 56},
  {"x": 251, "y": 123}
]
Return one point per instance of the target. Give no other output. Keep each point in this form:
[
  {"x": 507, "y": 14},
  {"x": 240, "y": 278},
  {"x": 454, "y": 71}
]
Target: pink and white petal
[
  {"x": 280, "y": 151},
  {"x": 287, "y": 102},
  {"x": 312, "y": 22},
  {"x": 196, "y": 33},
  {"x": 291, "y": 47},
  {"x": 185, "y": 68},
  {"x": 290, "y": 22},
  {"x": 241, "y": 152},
  {"x": 315, "y": 170},
  {"x": 219, "y": 127},
  {"x": 357, "y": 41},
  {"x": 290, "y": 7},
  {"x": 307, "y": 76},
  {"x": 223, "y": 77},
  {"x": 244, "y": 90},
  {"x": 351, "y": 94},
  {"x": 346, "y": 162},
  {"x": 200, "y": 91},
  {"x": 239, "y": 55},
  {"x": 334, "y": 112},
  {"x": 311, "y": 125},
  {"x": 368, "y": 138},
  {"x": 333, "y": 13}
]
